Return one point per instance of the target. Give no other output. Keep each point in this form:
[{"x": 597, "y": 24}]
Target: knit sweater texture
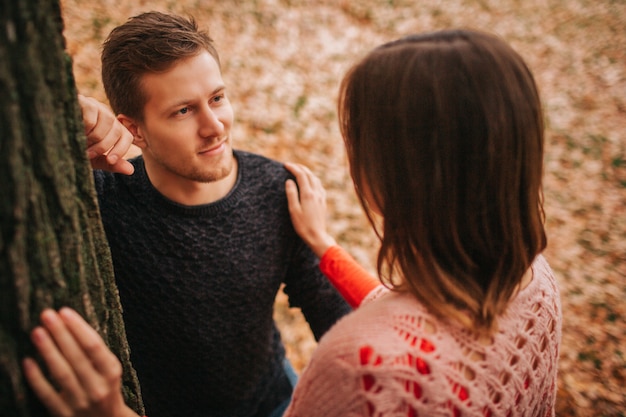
[
  {"x": 392, "y": 358},
  {"x": 198, "y": 285}
]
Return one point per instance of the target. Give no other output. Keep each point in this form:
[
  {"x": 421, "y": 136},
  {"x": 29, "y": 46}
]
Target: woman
[{"x": 444, "y": 137}]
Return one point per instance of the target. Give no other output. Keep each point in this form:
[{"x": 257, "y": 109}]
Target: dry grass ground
[{"x": 283, "y": 60}]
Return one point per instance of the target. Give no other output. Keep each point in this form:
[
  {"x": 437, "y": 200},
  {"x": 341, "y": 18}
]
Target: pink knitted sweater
[{"x": 390, "y": 357}]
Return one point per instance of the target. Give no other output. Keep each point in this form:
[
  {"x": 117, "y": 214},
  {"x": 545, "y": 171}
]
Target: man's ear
[{"x": 134, "y": 129}]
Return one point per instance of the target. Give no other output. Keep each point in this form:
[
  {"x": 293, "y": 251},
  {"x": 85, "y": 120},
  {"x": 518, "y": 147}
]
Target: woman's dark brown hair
[
  {"x": 444, "y": 135},
  {"x": 148, "y": 43}
]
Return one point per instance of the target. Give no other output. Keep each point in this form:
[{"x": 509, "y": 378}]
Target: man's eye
[{"x": 184, "y": 110}]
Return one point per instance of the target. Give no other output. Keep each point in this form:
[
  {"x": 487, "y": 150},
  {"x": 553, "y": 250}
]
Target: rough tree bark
[{"x": 53, "y": 251}]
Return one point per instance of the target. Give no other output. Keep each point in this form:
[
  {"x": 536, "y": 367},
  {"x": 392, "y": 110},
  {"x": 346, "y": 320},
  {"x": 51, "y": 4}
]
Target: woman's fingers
[
  {"x": 299, "y": 172},
  {"x": 86, "y": 375},
  {"x": 84, "y": 369},
  {"x": 95, "y": 367},
  {"x": 309, "y": 184},
  {"x": 293, "y": 198},
  {"x": 93, "y": 347},
  {"x": 73, "y": 356},
  {"x": 307, "y": 208},
  {"x": 61, "y": 371},
  {"x": 46, "y": 393}
]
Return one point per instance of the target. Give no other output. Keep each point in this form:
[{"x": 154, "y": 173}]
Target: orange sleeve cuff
[{"x": 352, "y": 281}]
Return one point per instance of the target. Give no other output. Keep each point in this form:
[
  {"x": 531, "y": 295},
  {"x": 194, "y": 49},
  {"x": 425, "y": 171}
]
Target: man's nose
[{"x": 210, "y": 124}]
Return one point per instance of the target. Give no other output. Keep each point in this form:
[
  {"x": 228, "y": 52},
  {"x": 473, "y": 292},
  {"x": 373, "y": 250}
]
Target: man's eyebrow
[
  {"x": 185, "y": 101},
  {"x": 219, "y": 88}
]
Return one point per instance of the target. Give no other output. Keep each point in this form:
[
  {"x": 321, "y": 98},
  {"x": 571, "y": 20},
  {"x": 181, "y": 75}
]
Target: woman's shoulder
[
  {"x": 383, "y": 324},
  {"x": 543, "y": 289}
]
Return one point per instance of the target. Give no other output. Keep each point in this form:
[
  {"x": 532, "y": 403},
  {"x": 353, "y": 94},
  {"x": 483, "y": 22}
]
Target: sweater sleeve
[{"x": 352, "y": 281}]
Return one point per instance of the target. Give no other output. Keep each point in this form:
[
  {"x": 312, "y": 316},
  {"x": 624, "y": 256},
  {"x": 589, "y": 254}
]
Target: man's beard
[
  {"x": 221, "y": 171},
  {"x": 200, "y": 176}
]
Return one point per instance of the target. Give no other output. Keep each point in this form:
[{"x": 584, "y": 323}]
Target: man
[{"x": 200, "y": 233}]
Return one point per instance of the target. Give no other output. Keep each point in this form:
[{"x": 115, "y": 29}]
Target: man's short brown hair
[{"x": 148, "y": 43}]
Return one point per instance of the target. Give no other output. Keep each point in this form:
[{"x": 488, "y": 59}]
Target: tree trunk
[{"x": 53, "y": 251}]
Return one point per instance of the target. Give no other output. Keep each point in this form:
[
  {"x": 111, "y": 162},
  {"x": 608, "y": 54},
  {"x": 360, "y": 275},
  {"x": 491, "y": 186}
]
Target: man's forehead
[{"x": 187, "y": 79}]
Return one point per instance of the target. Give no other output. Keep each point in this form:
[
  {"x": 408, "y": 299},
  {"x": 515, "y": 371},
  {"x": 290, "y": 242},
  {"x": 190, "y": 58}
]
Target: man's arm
[
  {"x": 308, "y": 289},
  {"x": 107, "y": 138}
]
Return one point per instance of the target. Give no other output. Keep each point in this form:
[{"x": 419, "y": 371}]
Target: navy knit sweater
[{"x": 198, "y": 284}]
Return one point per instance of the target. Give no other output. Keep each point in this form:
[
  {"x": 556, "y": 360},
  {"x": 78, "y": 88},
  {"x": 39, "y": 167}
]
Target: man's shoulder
[
  {"x": 255, "y": 158},
  {"x": 256, "y": 166}
]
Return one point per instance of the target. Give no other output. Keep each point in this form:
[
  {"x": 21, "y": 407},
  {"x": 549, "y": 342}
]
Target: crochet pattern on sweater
[{"x": 392, "y": 358}]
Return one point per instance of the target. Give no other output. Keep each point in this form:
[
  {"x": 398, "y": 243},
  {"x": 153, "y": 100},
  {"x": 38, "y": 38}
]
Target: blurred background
[{"x": 282, "y": 61}]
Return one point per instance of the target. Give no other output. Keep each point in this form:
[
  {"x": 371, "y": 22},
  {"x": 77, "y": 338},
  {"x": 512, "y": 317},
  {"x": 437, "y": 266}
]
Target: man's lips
[{"x": 214, "y": 149}]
